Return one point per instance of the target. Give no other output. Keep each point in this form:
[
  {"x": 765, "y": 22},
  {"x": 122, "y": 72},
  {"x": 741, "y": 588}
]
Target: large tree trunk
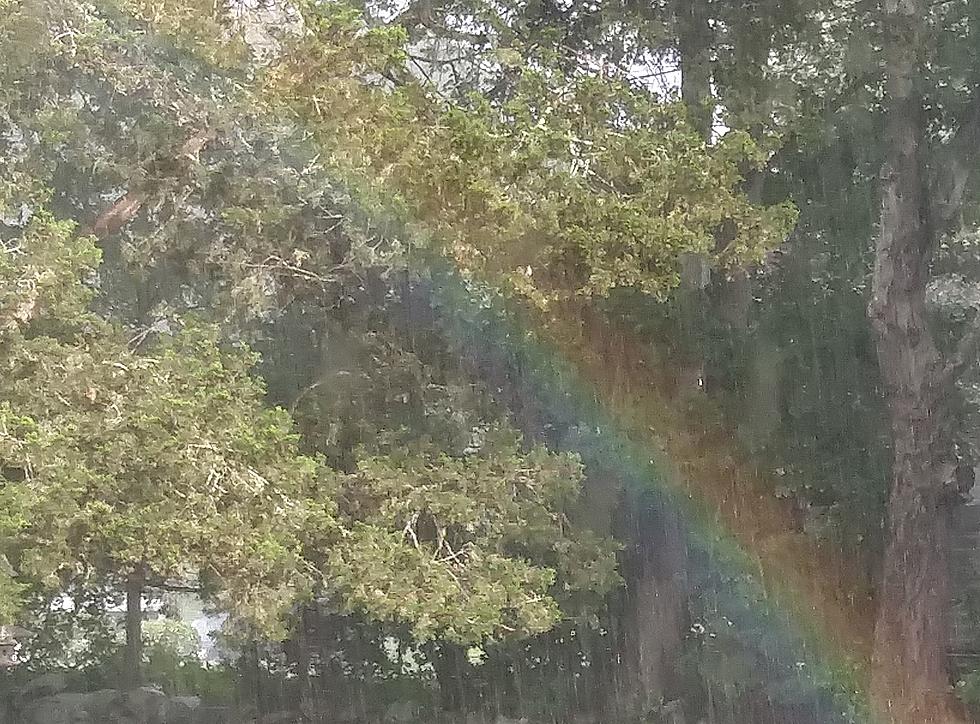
[
  {"x": 134, "y": 631},
  {"x": 253, "y": 677},
  {"x": 652, "y": 613},
  {"x": 909, "y": 671},
  {"x": 452, "y": 674},
  {"x": 693, "y": 47},
  {"x": 655, "y": 616},
  {"x": 305, "y": 693}
]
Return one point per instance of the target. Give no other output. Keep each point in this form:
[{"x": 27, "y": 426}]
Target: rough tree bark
[
  {"x": 909, "y": 669},
  {"x": 655, "y": 615}
]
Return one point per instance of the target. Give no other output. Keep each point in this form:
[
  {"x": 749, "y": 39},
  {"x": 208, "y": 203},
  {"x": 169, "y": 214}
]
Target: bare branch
[
  {"x": 409, "y": 530},
  {"x": 172, "y": 587},
  {"x": 118, "y": 215},
  {"x": 306, "y": 391},
  {"x": 125, "y": 209}
]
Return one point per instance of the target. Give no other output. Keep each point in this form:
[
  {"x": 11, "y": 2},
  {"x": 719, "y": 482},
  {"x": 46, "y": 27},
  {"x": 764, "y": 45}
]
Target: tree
[
  {"x": 919, "y": 200},
  {"x": 322, "y": 165},
  {"x": 158, "y": 468},
  {"x": 170, "y": 387}
]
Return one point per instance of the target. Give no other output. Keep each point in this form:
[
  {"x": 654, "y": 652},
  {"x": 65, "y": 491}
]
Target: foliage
[
  {"x": 71, "y": 629},
  {"x": 172, "y": 662},
  {"x": 166, "y": 464},
  {"x": 530, "y": 144},
  {"x": 172, "y": 639},
  {"x": 160, "y": 464},
  {"x": 574, "y": 186},
  {"x": 479, "y": 540}
]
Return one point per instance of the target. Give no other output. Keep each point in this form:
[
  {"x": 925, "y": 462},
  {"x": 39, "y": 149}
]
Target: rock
[
  {"x": 323, "y": 709},
  {"x": 102, "y": 702},
  {"x": 183, "y": 709},
  {"x": 146, "y": 705},
  {"x": 109, "y": 706},
  {"x": 61, "y": 708},
  {"x": 278, "y": 717},
  {"x": 44, "y": 685},
  {"x": 213, "y": 715},
  {"x": 188, "y": 702}
]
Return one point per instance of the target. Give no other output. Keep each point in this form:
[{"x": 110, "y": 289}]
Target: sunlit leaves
[{"x": 574, "y": 186}]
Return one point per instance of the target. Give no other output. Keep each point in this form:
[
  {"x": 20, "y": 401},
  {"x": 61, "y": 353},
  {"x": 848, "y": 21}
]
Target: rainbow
[
  {"x": 812, "y": 643},
  {"x": 787, "y": 600}
]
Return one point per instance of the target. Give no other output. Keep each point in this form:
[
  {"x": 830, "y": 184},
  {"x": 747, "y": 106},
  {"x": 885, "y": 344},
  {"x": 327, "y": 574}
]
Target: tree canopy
[{"x": 234, "y": 359}]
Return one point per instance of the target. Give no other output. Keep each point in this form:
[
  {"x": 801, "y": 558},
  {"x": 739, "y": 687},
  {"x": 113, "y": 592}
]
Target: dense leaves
[
  {"x": 159, "y": 457},
  {"x": 160, "y": 463},
  {"x": 470, "y": 530},
  {"x": 196, "y": 196},
  {"x": 573, "y": 186}
]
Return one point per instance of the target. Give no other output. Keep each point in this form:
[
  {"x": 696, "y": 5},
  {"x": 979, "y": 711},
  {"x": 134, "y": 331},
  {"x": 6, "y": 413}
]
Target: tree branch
[
  {"x": 173, "y": 587},
  {"x": 125, "y": 209}
]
